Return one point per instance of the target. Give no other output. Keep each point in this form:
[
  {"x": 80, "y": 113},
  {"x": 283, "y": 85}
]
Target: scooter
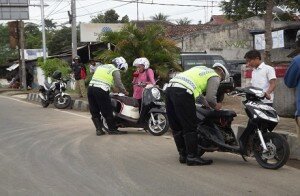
[
  {"x": 152, "y": 117},
  {"x": 270, "y": 149}
]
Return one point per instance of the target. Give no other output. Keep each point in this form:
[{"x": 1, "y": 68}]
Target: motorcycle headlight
[{"x": 155, "y": 93}]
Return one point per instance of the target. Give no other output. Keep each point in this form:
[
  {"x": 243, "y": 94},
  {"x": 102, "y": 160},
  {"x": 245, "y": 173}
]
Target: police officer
[
  {"x": 98, "y": 94},
  {"x": 181, "y": 94}
]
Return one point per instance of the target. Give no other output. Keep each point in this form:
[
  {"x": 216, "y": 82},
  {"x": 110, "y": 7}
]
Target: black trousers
[
  {"x": 181, "y": 111},
  {"x": 99, "y": 101}
]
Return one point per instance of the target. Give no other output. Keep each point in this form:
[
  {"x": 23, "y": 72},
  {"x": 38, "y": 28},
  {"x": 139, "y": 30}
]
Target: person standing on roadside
[
  {"x": 263, "y": 76},
  {"x": 93, "y": 66},
  {"x": 292, "y": 80},
  {"x": 102, "y": 81},
  {"x": 79, "y": 72}
]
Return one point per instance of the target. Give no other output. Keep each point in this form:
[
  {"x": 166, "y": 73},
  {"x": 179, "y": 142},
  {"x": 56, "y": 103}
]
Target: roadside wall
[{"x": 231, "y": 41}]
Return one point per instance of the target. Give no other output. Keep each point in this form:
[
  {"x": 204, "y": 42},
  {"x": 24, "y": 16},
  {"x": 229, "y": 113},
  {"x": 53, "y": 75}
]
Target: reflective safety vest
[
  {"x": 195, "y": 79},
  {"x": 103, "y": 75}
]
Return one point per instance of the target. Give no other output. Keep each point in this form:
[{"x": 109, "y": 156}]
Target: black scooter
[
  {"x": 55, "y": 92},
  {"x": 152, "y": 117},
  {"x": 270, "y": 149}
]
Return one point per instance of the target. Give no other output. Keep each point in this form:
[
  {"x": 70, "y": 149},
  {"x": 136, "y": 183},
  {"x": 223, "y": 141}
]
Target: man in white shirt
[
  {"x": 263, "y": 76},
  {"x": 93, "y": 66}
]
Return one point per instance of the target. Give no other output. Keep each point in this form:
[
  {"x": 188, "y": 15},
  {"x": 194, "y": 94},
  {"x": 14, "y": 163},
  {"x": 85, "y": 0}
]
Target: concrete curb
[
  {"x": 79, "y": 105},
  {"x": 292, "y": 139}
]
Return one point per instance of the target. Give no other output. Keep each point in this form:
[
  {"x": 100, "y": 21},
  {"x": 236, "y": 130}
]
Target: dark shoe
[
  {"x": 182, "y": 159},
  {"x": 191, "y": 142},
  {"x": 98, "y": 124},
  {"x": 116, "y": 132},
  {"x": 190, "y": 161}
]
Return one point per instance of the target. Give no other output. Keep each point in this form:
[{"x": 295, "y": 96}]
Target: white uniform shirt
[
  {"x": 261, "y": 77},
  {"x": 93, "y": 68}
]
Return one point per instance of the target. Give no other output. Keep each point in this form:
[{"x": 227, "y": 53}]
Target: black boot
[
  {"x": 191, "y": 142},
  {"x": 112, "y": 128},
  {"x": 98, "y": 124},
  {"x": 179, "y": 141}
]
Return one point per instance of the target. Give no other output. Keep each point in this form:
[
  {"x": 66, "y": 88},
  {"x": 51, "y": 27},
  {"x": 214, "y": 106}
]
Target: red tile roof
[{"x": 218, "y": 20}]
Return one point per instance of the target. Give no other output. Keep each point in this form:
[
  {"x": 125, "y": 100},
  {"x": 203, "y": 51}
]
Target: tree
[
  {"x": 125, "y": 19},
  {"x": 49, "y": 24},
  {"x": 33, "y": 36},
  {"x": 183, "y": 21},
  {"x": 109, "y": 16},
  {"x": 268, "y": 33},
  {"x": 60, "y": 40},
  {"x": 160, "y": 17},
  {"x": 6, "y": 53},
  {"x": 241, "y": 9},
  {"x": 150, "y": 42}
]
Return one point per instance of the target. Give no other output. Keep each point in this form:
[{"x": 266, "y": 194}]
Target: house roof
[
  {"x": 144, "y": 23},
  {"x": 181, "y": 30},
  {"x": 218, "y": 20}
]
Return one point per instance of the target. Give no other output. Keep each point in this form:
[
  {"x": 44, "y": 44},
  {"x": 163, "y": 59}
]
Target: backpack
[{"x": 82, "y": 73}]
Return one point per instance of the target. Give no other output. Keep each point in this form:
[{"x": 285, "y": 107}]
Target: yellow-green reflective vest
[
  {"x": 195, "y": 79},
  {"x": 103, "y": 75}
]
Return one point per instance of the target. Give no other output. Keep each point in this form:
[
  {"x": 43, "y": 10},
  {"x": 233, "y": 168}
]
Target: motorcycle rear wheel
[
  {"x": 278, "y": 151},
  {"x": 62, "y": 102}
]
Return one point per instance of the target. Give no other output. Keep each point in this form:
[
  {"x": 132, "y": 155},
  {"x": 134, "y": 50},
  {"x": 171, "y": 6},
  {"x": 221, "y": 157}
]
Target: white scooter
[{"x": 152, "y": 117}]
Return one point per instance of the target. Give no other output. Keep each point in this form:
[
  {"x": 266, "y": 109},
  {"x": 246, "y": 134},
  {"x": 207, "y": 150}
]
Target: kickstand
[{"x": 243, "y": 156}]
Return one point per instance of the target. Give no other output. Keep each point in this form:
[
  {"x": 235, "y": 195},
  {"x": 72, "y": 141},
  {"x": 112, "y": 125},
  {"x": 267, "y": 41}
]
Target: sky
[{"x": 194, "y": 10}]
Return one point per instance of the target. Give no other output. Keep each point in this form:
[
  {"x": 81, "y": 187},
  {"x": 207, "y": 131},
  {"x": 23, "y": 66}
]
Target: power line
[
  {"x": 54, "y": 9},
  {"x": 166, "y": 4}
]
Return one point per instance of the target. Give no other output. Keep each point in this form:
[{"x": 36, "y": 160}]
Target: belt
[
  {"x": 177, "y": 85},
  {"x": 104, "y": 87}
]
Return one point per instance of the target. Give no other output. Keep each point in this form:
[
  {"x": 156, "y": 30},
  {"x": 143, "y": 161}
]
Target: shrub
[{"x": 51, "y": 65}]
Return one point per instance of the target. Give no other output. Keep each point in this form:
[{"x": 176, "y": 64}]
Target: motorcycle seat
[
  {"x": 216, "y": 113},
  {"x": 127, "y": 100}
]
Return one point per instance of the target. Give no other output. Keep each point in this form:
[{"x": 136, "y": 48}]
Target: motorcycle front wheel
[
  {"x": 62, "y": 102},
  {"x": 45, "y": 103},
  {"x": 158, "y": 125},
  {"x": 277, "y": 154}
]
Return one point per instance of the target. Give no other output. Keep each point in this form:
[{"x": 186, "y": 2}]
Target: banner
[{"x": 92, "y": 32}]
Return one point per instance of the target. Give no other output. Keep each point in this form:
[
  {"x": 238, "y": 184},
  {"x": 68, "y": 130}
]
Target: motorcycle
[
  {"x": 152, "y": 117},
  {"x": 55, "y": 93},
  {"x": 270, "y": 149}
]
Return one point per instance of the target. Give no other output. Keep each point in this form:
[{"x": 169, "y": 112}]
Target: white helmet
[
  {"x": 120, "y": 63},
  {"x": 225, "y": 71},
  {"x": 142, "y": 61}
]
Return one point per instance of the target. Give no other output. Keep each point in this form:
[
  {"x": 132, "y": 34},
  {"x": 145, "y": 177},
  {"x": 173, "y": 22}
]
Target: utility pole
[
  {"x": 137, "y": 10},
  {"x": 74, "y": 30},
  {"x": 43, "y": 30},
  {"x": 22, "y": 67}
]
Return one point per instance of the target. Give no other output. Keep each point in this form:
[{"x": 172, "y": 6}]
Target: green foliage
[
  {"x": 183, "y": 21},
  {"x": 6, "y": 53},
  {"x": 241, "y": 9},
  {"x": 51, "y": 65},
  {"x": 49, "y": 24},
  {"x": 33, "y": 36},
  {"x": 109, "y": 16},
  {"x": 160, "y": 16},
  {"x": 151, "y": 42},
  {"x": 59, "y": 40}
]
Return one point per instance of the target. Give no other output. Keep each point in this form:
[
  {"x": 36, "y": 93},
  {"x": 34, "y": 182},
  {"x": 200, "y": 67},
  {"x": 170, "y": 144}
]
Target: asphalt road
[{"x": 52, "y": 152}]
